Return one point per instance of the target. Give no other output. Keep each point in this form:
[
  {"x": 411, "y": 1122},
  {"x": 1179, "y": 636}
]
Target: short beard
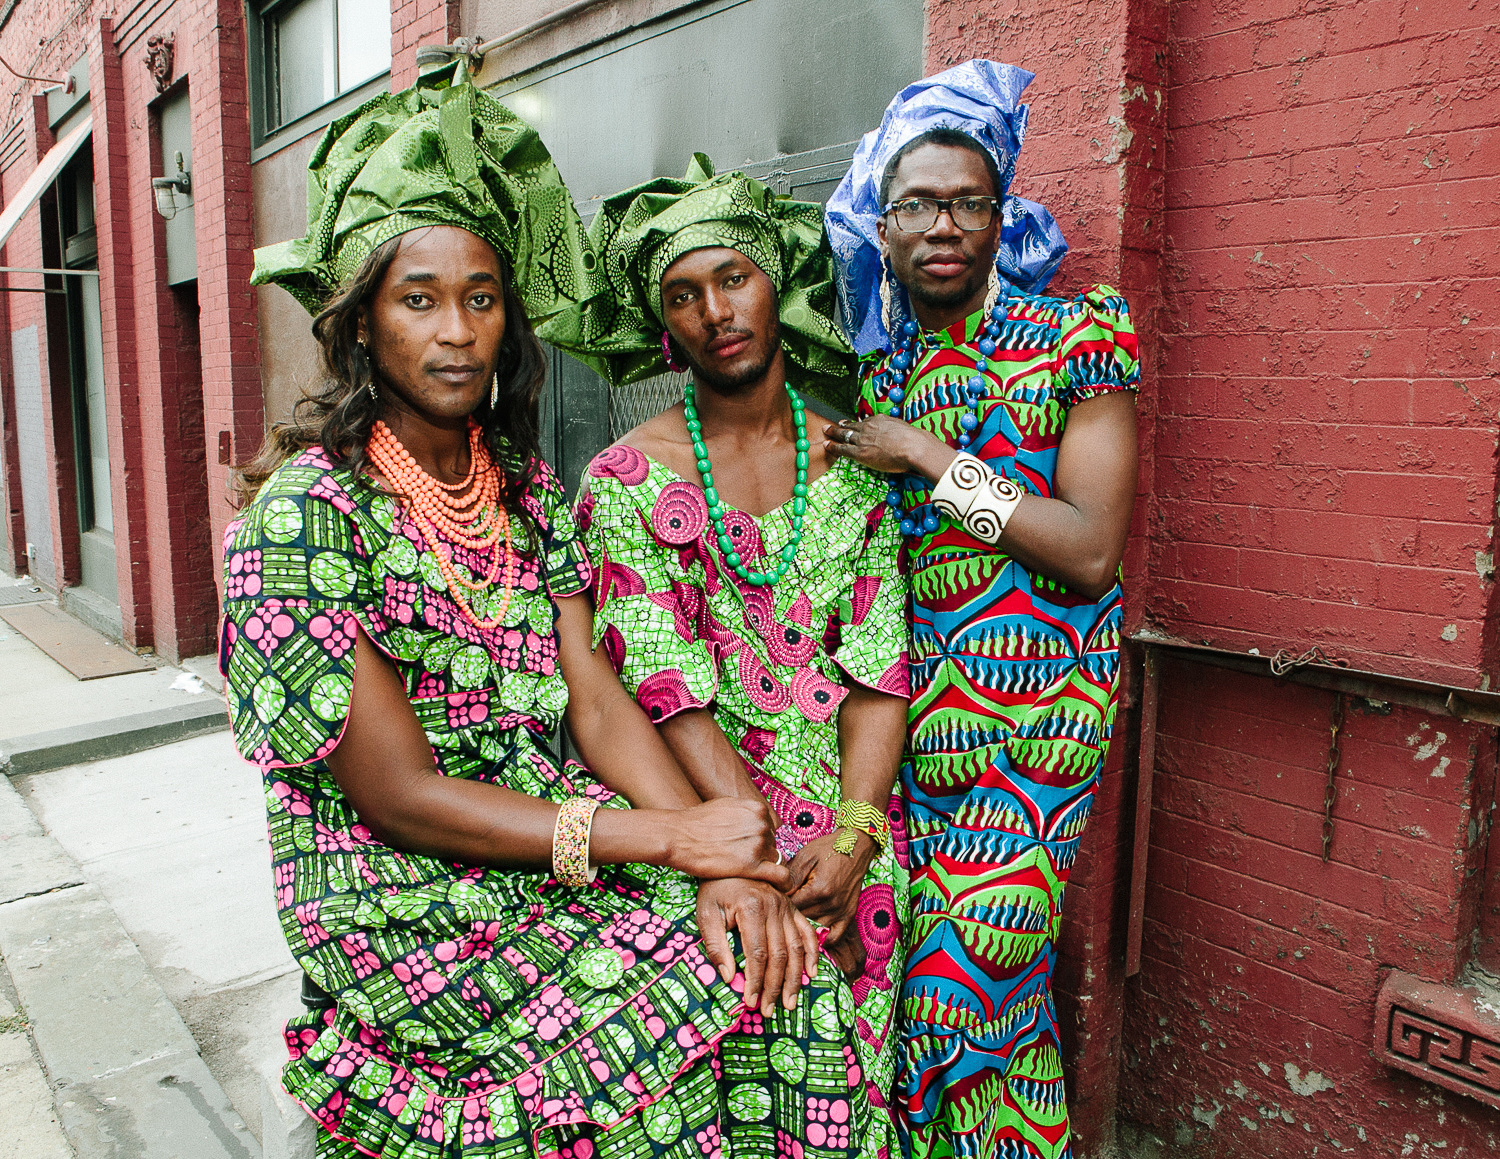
[
  {"x": 737, "y": 383},
  {"x": 941, "y": 299}
]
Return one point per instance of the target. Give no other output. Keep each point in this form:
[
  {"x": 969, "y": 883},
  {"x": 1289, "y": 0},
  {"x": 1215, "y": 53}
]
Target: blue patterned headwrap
[{"x": 980, "y": 98}]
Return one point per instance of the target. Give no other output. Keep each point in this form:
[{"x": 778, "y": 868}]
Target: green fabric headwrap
[
  {"x": 638, "y": 233},
  {"x": 440, "y": 153}
]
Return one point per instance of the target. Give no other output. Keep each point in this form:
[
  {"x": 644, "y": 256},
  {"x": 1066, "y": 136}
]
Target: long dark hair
[{"x": 339, "y": 414}]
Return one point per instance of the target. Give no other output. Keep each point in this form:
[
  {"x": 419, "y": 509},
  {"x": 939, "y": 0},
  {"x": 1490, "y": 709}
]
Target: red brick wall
[
  {"x": 1324, "y": 474},
  {"x": 232, "y": 399},
  {"x": 1300, "y": 203},
  {"x": 1326, "y": 450},
  {"x": 414, "y": 23},
  {"x": 117, "y": 309},
  {"x": 1248, "y": 1032}
]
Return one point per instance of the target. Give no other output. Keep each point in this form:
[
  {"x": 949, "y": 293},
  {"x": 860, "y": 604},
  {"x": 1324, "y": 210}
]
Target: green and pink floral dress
[
  {"x": 484, "y": 1013},
  {"x": 772, "y": 663}
]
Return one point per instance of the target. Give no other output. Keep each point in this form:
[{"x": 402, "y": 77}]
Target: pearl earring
[{"x": 495, "y": 390}]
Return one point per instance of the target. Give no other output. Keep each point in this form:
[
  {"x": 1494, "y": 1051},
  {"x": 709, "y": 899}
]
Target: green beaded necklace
[{"x": 716, "y": 509}]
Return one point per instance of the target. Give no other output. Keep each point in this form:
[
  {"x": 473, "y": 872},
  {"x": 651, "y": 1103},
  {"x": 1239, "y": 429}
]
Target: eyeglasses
[{"x": 919, "y": 214}]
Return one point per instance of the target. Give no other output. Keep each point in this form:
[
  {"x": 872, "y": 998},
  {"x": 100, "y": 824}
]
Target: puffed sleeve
[
  {"x": 870, "y": 638},
  {"x": 1097, "y": 352},
  {"x": 651, "y": 612},
  {"x": 296, "y": 577}
]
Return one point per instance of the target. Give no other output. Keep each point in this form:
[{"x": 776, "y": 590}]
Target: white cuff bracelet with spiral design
[{"x": 971, "y": 493}]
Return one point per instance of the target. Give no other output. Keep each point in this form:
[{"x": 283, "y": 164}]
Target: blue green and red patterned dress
[
  {"x": 484, "y": 1013},
  {"x": 1013, "y": 699}
]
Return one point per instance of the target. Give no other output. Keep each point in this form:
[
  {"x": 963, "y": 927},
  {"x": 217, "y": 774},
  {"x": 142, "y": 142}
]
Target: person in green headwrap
[
  {"x": 747, "y": 593},
  {"x": 495, "y": 968}
]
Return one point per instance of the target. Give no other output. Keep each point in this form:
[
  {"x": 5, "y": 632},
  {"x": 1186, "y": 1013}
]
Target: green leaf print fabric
[
  {"x": 684, "y": 632},
  {"x": 483, "y": 1013}
]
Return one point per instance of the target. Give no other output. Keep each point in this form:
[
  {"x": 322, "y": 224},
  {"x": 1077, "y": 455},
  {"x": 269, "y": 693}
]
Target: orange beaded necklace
[{"x": 467, "y": 513}]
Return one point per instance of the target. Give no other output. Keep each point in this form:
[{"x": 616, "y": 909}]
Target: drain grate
[{"x": 21, "y": 595}]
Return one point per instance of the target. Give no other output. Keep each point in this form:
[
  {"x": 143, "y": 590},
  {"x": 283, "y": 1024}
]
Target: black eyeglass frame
[{"x": 944, "y": 206}]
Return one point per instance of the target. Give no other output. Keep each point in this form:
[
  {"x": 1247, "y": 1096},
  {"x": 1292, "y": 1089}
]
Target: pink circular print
[
  {"x": 620, "y": 462},
  {"x": 680, "y": 514}
]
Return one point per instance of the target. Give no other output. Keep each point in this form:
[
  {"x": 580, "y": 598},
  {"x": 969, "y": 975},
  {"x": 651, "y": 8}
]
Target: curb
[
  {"x": 101, "y": 740},
  {"x": 127, "y": 1076}
]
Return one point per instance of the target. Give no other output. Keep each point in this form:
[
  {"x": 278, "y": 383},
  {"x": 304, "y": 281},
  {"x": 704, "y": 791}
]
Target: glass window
[
  {"x": 364, "y": 41},
  {"x": 317, "y": 49}
]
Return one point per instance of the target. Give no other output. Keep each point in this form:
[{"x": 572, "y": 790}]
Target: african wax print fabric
[
  {"x": 483, "y": 1013},
  {"x": 640, "y": 232},
  {"x": 1013, "y": 682},
  {"x": 684, "y": 632},
  {"x": 440, "y": 153},
  {"x": 981, "y": 99}
]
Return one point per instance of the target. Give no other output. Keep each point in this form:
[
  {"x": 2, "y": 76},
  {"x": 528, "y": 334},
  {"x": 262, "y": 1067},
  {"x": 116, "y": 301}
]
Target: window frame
[{"x": 268, "y": 135}]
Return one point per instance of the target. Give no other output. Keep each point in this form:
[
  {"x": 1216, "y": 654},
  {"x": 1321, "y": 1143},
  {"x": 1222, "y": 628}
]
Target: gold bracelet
[
  {"x": 570, "y": 842},
  {"x": 852, "y": 818}
]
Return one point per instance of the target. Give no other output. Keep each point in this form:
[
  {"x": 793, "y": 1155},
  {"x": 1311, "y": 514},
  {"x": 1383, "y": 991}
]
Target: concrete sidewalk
[{"x": 145, "y": 977}]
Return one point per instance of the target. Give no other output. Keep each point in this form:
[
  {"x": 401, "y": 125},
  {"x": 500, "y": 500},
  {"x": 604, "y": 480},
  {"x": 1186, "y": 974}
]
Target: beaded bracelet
[
  {"x": 570, "y": 842},
  {"x": 970, "y": 492},
  {"x": 852, "y": 818}
]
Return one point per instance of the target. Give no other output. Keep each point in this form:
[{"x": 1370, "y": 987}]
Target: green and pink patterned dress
[
  {"x": 772, "y": 664},
  {"x": 480, "y": 1012}
]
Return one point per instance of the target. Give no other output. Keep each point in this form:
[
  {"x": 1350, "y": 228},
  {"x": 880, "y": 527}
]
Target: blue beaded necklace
[
  {"x": 890, "y": 388},
  {"x": 716, "y": 508}
]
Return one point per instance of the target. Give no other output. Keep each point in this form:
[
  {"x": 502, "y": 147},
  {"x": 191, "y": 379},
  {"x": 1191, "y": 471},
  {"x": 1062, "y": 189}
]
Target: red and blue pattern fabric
[{"x": 1013, "y": 700}]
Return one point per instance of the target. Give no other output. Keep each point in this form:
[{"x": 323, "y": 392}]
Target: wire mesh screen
[{"x": 630, "y": 406}]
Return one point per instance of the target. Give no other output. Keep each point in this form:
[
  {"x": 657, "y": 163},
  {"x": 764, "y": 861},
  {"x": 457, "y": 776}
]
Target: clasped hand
[{"x": 773, "y": 907}]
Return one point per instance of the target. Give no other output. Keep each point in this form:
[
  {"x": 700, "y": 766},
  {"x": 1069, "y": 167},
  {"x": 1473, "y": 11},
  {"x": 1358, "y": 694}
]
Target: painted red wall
[
  {"x": 1248, "y": 1031},
  {"x": 1300, "y": 203},
  {"x": 1330, "y": 341}
]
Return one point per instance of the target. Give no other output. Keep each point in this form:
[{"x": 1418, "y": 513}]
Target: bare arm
[
  {"x": 1078, "y": 536},
  {"x": 780, "y": 945},
  {"x": 712, "y": 764},
  {"x": 619, "y": 745},
  {"x": 384, "y": 765}
]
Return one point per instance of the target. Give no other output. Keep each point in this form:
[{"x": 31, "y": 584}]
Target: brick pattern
[
  {"x": 414, "y": 23},
  {"x": 1248, "y": 1032},
  {"x": 117, "y": 311},
  {"x": 165, "y": 389},
  {"x": 1325, "y": 458},
  {"x": 232, "y": 398}
]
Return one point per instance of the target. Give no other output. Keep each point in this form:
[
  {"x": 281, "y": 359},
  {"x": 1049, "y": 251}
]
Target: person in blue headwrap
[{"x": 1006, "y": 423}]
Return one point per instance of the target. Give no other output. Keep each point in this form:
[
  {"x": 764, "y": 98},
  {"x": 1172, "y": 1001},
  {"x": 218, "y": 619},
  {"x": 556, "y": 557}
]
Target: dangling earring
[
  {"x": 666, "y": 352},
  {"x": 886, "y": 309},
  {"x": 362, "y": 368},
  {"x": 994, "y": 292},
  {"x": 494, "y": 390}
]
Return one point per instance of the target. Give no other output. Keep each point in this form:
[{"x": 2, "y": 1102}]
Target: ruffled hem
[{"x": 363, "y": 1094}]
